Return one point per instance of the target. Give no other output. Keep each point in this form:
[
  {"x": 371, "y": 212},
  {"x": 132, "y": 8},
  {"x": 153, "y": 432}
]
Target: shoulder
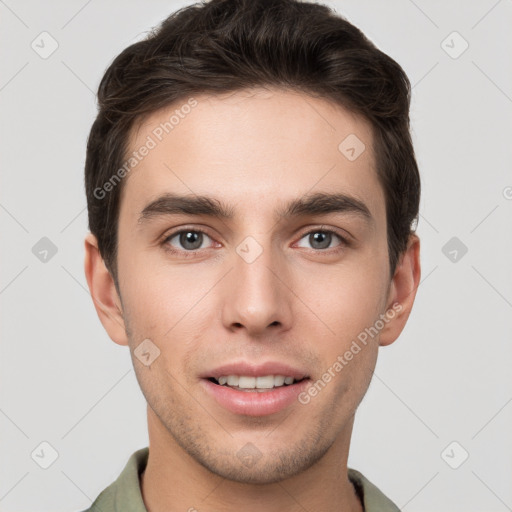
[
  {"x": 374, "y": 500},
  {"x": 124, "y": 493}
]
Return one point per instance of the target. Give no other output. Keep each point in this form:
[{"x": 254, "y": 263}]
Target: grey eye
[
  {"x": 319, "y": 239},
  {"x": 189, "y": 240}
]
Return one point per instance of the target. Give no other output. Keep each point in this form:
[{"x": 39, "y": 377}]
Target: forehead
[{"x": 252, "y": 148}]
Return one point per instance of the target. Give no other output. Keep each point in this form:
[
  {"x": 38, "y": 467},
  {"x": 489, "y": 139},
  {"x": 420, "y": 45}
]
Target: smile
[{"x": 258, "y": 384}]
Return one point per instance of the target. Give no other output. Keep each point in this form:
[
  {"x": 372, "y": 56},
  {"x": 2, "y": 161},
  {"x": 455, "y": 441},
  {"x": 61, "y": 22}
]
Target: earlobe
[
  {"x": 402, "y": 292},
  {"x": 103, "y": 292}
]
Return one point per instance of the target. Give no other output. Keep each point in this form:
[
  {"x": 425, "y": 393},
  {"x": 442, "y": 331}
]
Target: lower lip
[{"x": 255, "y": 403}]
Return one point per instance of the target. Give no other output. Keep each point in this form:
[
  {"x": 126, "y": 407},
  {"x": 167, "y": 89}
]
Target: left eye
[
  {"x": 320, "y": 239},
  {"x": 190, "y": 240}
]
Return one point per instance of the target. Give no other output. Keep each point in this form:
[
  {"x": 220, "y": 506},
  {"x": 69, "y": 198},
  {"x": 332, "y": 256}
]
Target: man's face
[{"x": 291, "y": 291}]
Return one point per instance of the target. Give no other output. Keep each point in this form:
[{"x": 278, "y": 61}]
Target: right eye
[{"x": 189, "y": 239}]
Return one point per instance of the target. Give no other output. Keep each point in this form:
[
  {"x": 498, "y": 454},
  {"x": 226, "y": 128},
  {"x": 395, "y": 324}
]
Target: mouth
[
  {"x": 260, "y": 384},
  {"x": 255, "y": 390}
]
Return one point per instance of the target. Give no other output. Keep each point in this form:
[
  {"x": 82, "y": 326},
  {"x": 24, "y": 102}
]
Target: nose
[{"x": 257, "y": 297}]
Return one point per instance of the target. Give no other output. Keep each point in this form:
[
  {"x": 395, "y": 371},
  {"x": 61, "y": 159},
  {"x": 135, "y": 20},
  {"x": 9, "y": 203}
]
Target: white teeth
[
  {"x": 247, "y": 382},
  {"x": 265, "y": 382},
  {"x": 233, "y": 380},
  {"x": 279, "y": 380}
]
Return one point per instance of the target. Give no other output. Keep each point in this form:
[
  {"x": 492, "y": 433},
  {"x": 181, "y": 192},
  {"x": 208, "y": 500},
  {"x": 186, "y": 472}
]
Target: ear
[
  {"x": 402, "y": 291},
  {"x": 103, "y": 292}
]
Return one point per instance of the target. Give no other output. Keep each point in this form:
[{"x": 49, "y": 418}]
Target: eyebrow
[{"x": 319, "y": 203}]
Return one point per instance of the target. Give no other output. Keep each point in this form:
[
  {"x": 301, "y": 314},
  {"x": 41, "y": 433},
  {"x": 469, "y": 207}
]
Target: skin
[{"x": 296, "y": 303}]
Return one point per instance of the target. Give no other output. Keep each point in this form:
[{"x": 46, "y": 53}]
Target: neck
[{"x": 174, "y": 481}]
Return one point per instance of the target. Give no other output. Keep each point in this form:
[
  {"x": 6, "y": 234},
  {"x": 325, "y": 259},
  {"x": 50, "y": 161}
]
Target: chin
[{"x": 267, "y": 468}]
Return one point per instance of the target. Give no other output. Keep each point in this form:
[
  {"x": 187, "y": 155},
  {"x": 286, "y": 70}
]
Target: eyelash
[
  {"x": 191, "y": 254},
  {"x": 186, "y": 254}
]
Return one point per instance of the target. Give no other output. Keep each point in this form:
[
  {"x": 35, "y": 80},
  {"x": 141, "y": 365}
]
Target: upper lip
[{"x": 256, "y": 370}]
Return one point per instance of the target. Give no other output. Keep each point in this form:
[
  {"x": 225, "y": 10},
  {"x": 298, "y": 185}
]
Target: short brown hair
[{"x": 227, "y": 45}]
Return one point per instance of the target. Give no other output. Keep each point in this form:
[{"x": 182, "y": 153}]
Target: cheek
[
  {"x": 171, "y": 306},
  {"x": 344, "y": 301},
  {"x": 155, "y": 294}
]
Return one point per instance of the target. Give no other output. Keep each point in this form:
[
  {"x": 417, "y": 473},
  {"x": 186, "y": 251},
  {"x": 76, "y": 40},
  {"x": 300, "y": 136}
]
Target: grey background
[{"x": 446, "y": 379}]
